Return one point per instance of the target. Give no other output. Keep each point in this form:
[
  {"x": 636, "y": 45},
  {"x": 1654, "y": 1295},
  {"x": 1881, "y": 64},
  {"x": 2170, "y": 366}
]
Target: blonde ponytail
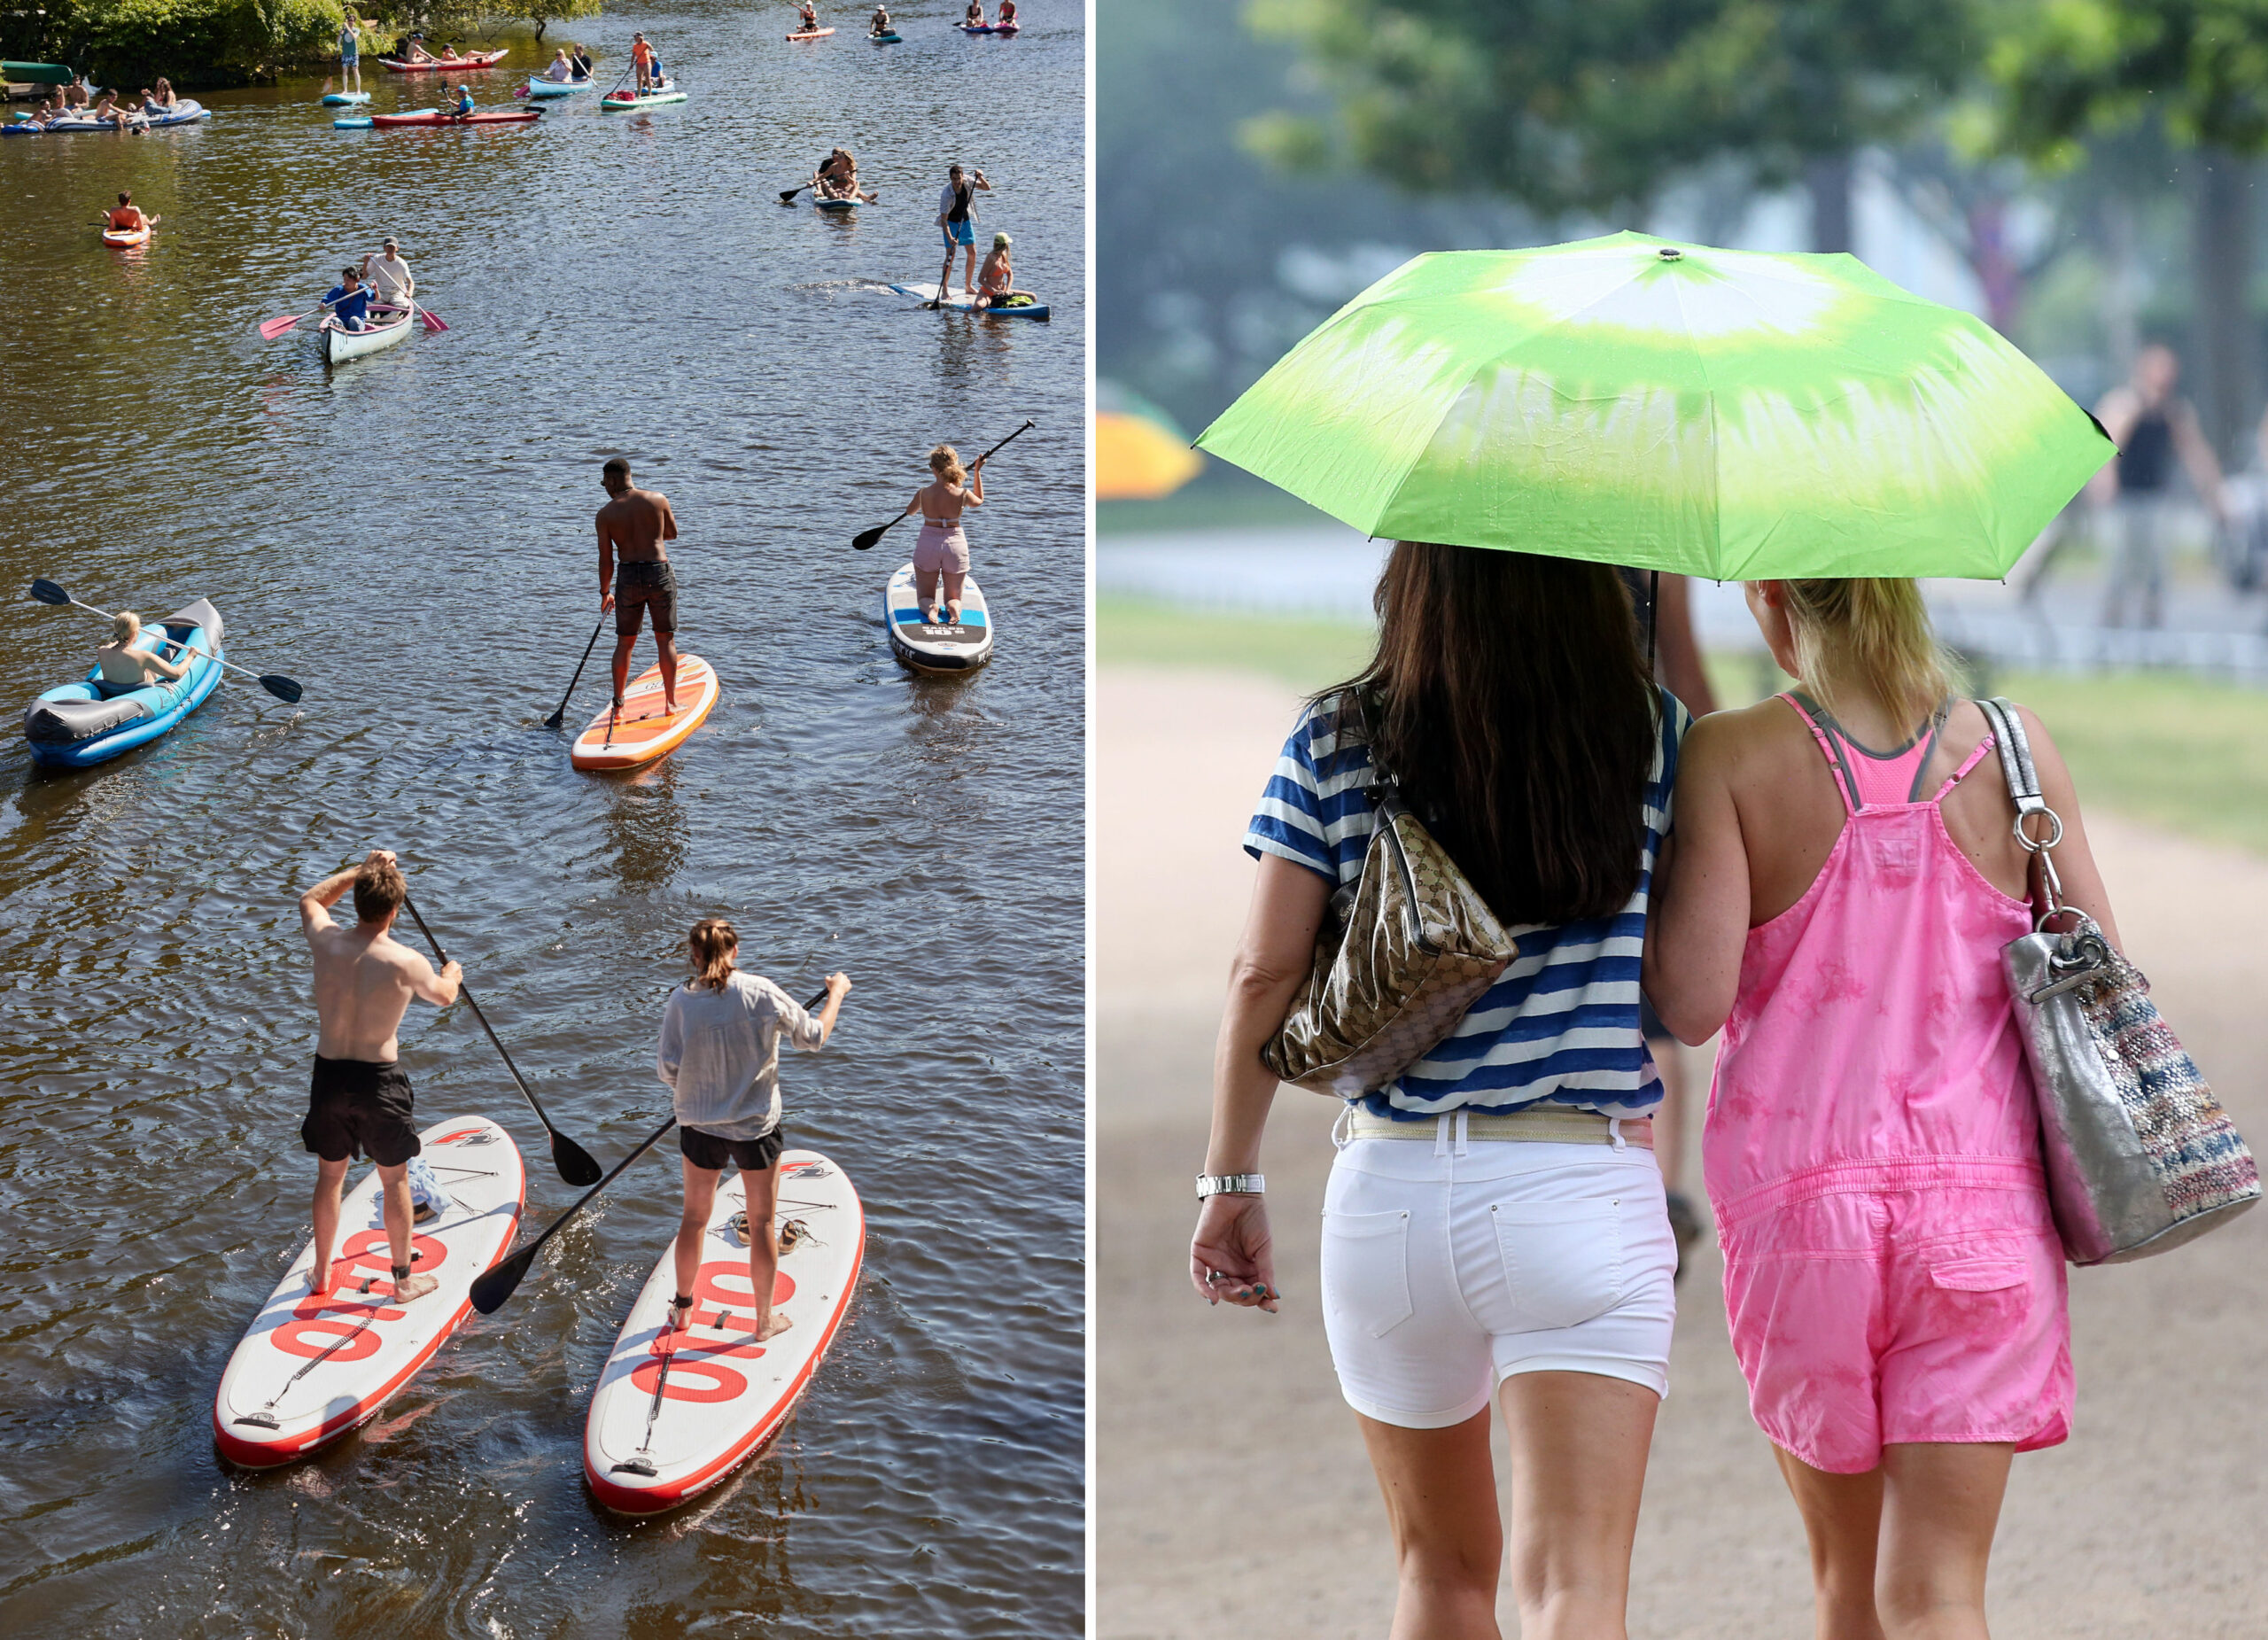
[
  {"x": 713, "y": 945},
  {"x": 944, "y": 461},
  {"x": 1872, "y": 633}
]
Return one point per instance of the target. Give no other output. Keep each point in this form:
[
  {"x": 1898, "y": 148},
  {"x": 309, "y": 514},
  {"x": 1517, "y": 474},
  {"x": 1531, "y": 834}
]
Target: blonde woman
[
  {"x": 1844, "y": 875},
  {"x": 125, "y": 667},
  {"x": 940, "y": 553},
  {"x": 720, "y": 1057},
  {"x": 995, "y": 280}
]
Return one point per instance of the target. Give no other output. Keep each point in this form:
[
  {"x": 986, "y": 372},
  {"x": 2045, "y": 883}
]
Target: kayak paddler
[
  {"x": 633, "y": 529},
  {"x": 719, "y": 1058},
  {"x": 957, "y": 219},
  {"x": 124, "y": 665},
  {"x": 464, "y": 100},
  {"x": 360, "y": 1101},
  {"x": 390, "y": 281},
  {"x": 349, "y": 300}
]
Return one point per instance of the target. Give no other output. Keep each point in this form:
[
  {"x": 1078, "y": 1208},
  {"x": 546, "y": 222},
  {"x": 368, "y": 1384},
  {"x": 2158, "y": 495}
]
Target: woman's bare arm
[
  {"x": 1696, "y": 927},
  {"x": 1273, "y": 956}
]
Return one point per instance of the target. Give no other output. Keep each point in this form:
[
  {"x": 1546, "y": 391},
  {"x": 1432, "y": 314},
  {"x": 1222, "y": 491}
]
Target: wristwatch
[{"x": 1231, "y": 1184}]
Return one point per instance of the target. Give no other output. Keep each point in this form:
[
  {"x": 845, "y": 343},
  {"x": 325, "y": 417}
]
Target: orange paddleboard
[{"x": 645, "y": 729}]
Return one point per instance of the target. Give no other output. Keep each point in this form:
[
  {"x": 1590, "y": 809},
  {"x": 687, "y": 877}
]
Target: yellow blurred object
[{"x": 1137, "y": 459}]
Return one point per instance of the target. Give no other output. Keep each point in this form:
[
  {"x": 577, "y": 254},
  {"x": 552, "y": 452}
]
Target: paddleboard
[
  {"x": 957, "y": 302},
  {"x": 889, "y": 39},
  {"x": 645, "y": 729},
  {"x": 928, "y": 647},
  {"x": 675, "y": 1413},
  {"x": 812, "y": 34},
  {"x": 311, "y": 1369},
  {"x": 340, "y": 99},
  {"x": 835, "y": 205}
]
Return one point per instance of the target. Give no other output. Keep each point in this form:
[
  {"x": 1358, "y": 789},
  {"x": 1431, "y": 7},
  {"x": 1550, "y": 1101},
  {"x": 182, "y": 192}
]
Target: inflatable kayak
[
  {"x": 187, "y": 111},
  {"x": 539, "y": 88},
  {"x": 621, "y": 101},
  {"x": 311, "y": 1368},
  {"x": 645, "y": 729},
  {"x": 925, "y": 646},
  {"x": 126, "y": 238},
  {"x": 812, "y": 34},
  {"x": 429, "y": 116},
  {"x": 957, "y": 302},
  {"x": 78, "y": 724},
  {"x": 887, "y": 39},
  {"x": 344, "y": 99},
  {"x": 444, "y": 65},
  {"x": 387, "y": 326},
  {"x": 675, "y": 1413}
]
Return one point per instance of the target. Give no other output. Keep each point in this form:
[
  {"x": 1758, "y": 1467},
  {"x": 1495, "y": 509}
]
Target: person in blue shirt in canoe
[
  {"x": 349, "y": 301},
  {"x": 464, "y": 101}
]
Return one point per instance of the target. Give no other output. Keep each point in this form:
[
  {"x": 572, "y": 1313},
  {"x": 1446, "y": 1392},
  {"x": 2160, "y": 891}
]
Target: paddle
[
  {"x": 788, "y": 195},
  {"x": 281, "y": 687},
  {"x": 494, "y": 1290},
  {"x": 865, "y": 538},
  {"x": 944, "y": 275},
  {"x": 559, "y": 717},
  {"x": 574, "y": 1162},
  {"x": 433, "y": 321}
]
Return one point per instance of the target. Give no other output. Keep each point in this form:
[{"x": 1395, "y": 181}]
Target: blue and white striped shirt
[{"x": 1560, "y": 1025}]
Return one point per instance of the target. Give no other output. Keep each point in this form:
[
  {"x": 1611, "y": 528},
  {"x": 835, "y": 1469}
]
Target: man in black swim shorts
[
  {"x": 634, "y": 528},
  {"x": 360, "y": 1101}
]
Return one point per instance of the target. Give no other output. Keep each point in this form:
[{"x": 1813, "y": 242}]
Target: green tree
[
  {"x": 2077, "y": 71},
  {"x": 1594, "y": 106},
  {"x": 543, "y": 13}
]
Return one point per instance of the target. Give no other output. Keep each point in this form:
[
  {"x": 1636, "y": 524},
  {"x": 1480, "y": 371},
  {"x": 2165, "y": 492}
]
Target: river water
[{"x": 409, "y": 535}]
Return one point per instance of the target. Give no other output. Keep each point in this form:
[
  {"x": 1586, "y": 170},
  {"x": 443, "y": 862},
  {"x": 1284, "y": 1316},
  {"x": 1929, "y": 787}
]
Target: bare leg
[
  {"x": 968, "y": 272},
  {"x": 1843, "y": 1518},
  {"x": 623, "y": 645},
  {"x": 764, "y": 1246},
  {"x": 1578, "y": 1446},
  {"x": 1441, "y": 1506},
  {"x": 700, "y": 1199},
  {"x": 331, "y": 1178},
  {"x": 1943, "y": 1503},
  {"x": 666, "y": 643},
  {"x": 925, "y": 592},
  {"x": 953, "y": 579},
  {"x": 401, "y": 1216}
]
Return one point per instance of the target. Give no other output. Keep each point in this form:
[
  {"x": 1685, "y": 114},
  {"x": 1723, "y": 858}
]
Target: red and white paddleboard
[
  {"x": 674, "y": 1414},
  {"x": 310, "y": 1369},
  {"x": 645, "y": 729}
]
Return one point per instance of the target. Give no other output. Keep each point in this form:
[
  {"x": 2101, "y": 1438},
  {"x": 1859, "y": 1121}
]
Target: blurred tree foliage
[
  {"x": 1587, "y": 104},
  {"x": 194, "y": 42}
]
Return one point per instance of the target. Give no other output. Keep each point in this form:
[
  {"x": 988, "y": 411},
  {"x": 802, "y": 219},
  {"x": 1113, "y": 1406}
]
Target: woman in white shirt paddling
[{"x": 720, "y": 1057}]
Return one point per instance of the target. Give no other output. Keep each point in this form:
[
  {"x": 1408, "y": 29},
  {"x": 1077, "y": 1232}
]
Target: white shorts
[{"x": 1445, "y": 1273}]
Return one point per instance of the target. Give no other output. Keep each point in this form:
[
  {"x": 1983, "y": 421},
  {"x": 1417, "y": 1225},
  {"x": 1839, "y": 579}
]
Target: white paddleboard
[
  {"x": 926, "y": 646},
  {"x": 961, "y": 301},
  {"x": 675, "y": 1413},
  {"x": 310, "y": 1369}
]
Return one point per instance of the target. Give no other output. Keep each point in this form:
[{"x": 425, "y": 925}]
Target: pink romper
[{"x": 1891, "y": 1272}]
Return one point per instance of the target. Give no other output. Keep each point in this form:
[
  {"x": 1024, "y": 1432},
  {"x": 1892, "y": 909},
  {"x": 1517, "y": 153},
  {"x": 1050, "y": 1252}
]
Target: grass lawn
[{"x": 2178, "y": 751}]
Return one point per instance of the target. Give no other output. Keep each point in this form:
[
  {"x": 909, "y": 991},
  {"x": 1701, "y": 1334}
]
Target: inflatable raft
[
  {"x": 79, "y": 724},
  {"x": 925, "y": 646},
  {"x": 444, "y": 65}
]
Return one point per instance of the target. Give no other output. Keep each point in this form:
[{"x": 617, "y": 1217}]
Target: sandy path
[{"x": 1233, "y": 1495}]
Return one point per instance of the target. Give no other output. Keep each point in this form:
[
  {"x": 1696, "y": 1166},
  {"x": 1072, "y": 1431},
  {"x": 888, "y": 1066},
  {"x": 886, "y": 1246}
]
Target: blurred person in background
[{"x": 2152, "y": 427}]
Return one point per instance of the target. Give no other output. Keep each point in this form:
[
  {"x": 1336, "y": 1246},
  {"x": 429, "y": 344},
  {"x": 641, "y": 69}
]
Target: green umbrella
[{"x": 1727, "y": 414}]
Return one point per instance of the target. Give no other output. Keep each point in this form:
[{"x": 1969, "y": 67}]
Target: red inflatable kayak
[
  {"x": 514, "y": 116},
  {"x": 446, "y": 65}
]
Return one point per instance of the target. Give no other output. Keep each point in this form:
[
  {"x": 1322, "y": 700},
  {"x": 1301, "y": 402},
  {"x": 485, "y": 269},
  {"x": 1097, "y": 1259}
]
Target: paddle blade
[
  {"x": 282, "y": 688},
  {"x": 575, "y": 1164},
  {"x": 48, "y": 592},
  {"x": 556, "y": 719},
  {"x": 865, "y": 538},
  {"x": 432, "y": 320},
  {"x": 788, "y": 195},
  {"x": 493, "y": 1291},
  {"x": 277, "y": 326}
]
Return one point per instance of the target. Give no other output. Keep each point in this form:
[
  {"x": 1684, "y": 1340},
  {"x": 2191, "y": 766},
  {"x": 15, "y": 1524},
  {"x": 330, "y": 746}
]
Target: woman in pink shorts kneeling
[
  {"x": 1842, "y": 879},
  {"x": 942, "y": 549}
]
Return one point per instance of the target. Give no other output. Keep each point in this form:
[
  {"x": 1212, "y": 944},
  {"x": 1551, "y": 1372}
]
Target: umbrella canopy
[
  {"x": 1139, "y": 453},
  {"x": 1733, "y": 414}
]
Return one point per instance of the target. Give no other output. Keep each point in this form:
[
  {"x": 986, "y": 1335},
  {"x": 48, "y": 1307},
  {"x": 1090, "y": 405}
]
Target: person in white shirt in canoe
[
  {"x": 720, "y": 1057},
  {"x": 392, "y": 283}
]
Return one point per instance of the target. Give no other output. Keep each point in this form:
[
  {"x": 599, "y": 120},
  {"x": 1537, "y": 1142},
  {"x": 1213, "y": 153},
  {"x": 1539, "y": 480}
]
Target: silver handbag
[{"x": 2139, "y": 1155}]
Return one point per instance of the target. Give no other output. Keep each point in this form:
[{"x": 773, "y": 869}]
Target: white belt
[{"x": 1550, "y": 1126}]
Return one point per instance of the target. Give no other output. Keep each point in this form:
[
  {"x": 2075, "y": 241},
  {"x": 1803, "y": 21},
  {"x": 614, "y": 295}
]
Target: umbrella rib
[{"x": 1716, "y": 496}]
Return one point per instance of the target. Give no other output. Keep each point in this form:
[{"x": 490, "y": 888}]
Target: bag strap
[{"x": 2023, "y": 789}]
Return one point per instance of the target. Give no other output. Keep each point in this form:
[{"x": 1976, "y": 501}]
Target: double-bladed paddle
[
  {"x": 865, "y": 538},
  {"x": 574, "y": 1162},
  {"x": 494, "y": 1290},
  {"x": 559, "y": 717},
  {"x": 281, "y": 687}
]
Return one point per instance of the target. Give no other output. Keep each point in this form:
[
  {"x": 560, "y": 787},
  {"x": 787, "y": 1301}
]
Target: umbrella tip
[{"x": 1668, "y": 254}]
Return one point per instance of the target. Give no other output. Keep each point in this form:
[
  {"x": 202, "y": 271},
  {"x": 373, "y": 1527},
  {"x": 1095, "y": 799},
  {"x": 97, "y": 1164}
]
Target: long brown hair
[
  {"x": 713, "y": 944},
  {"x": 1508, "y": 699}
]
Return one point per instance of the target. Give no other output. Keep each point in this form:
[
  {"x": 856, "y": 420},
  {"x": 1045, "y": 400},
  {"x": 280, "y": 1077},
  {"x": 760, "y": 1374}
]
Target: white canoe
[
  {"x": 924, "y": 645},
  {"x": 310, "y": 1369},
  {"x": 340, "y": 343},
  {"x": 959, "y": 301},
  {"x": 674, "y": 1414}
]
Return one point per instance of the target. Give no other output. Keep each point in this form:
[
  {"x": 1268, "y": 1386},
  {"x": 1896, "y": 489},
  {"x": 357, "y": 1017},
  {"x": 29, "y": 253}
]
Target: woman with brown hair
[
  {"x": 720, "y": 1057},
  {"x": 1519, "y": 1252}
]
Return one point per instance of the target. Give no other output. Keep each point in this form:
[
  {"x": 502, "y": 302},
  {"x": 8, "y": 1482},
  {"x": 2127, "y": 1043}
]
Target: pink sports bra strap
[
  {"x": 1827, "y": 748},
  {"x": 1967, "y": 764}
]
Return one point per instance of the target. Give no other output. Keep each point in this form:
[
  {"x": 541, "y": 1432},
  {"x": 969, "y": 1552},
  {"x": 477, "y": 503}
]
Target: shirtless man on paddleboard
[
  {"x": 360, "y": 1098},
  {"x": 632, "y": 528}
]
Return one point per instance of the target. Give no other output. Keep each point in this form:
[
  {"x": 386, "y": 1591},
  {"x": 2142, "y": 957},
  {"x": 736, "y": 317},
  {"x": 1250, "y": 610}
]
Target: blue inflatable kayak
[{"x": 78, "y": 724}]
